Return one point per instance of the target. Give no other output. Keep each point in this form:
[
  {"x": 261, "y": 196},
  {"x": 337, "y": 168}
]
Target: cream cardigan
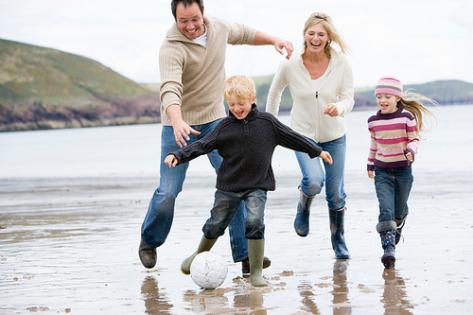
[
  {"x": 193, "y": 76},
  {"x": 307, "y": 117}
]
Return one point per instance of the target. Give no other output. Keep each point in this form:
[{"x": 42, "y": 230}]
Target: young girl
[{"x": 394, "y": 140}]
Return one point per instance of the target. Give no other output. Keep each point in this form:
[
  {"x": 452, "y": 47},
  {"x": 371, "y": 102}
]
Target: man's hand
[
  {"x": 331, "y": 109},
  {"x": 284, "y": 46},
  {"x": 170, "y": 160},
  {"x": 182, "y": 132},
  {"x": 324, "y": 155},
  {"x": 371, "y": 174}
]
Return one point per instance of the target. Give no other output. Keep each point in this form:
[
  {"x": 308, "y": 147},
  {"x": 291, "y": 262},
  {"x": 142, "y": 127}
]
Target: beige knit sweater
[{"x": 192, "y": 76}]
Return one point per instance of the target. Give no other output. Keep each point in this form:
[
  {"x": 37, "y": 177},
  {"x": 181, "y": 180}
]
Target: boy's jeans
[
  {"x": 392, "y": 189},
  {"x": 313, "y": 174},
  {"x": 225, "y": 205},
  {"x": 158, "y": 219}
]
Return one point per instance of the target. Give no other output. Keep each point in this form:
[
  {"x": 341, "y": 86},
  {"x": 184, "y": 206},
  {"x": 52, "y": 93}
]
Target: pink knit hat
[{"x": 390, "y": 86}]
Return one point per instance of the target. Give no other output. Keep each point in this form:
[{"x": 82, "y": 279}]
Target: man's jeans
[
  {"x": 393, "y": 187},
  {"x": 314, "y": 176},
  {"x": 158, "y": 220},
  {"x": 225, "y": 205}
]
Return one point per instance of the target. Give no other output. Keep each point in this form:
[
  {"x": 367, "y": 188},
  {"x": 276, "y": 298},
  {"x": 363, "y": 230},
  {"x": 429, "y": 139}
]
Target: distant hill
[
  {"x": 44, "y": 88},
  {"x": 444, "y": 92}
]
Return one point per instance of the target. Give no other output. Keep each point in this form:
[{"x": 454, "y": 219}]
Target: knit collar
[
  {"x": 390, "y": 115},
  {"x": 251, "y": 115}
]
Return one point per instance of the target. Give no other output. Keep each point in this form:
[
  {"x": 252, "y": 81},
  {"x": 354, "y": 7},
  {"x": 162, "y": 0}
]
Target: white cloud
[{"x": 417, "y": 40}]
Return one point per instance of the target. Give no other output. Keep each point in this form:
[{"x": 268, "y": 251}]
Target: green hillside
[
  {"x": 444, "y": 92},
  {"x": 47, "y": 88}
]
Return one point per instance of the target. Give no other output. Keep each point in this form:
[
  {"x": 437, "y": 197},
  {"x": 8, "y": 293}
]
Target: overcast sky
[{"x": 414, "y": 40}]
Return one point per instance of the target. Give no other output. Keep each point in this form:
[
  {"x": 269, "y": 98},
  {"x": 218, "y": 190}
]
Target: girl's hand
[
  {"x": 331, "y": 109},
  {"x": 370, "y": 174},
  {"x": 324, "y": 155},
  {"x": 409, "y": 157},
  {"x": 170, "y": 160}
]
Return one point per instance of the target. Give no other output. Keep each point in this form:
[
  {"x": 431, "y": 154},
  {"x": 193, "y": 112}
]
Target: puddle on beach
[{"x": 72, "y": 248}]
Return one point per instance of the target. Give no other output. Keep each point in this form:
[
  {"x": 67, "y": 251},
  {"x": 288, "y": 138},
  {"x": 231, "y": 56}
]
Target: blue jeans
[
  {"x": 158, "y": 219},
  {"x": 314, "y": 176},
  {"x": 225, "y": 205},
  {"x": 392, "y": 189}
]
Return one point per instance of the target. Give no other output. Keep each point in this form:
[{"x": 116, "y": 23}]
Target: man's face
[{"x": 189, "y": 20}]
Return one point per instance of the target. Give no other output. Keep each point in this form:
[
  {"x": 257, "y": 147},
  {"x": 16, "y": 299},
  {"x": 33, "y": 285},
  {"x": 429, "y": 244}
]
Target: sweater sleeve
[
  {"x": 198, "y": 148},
  {"x": 278, "y": 85},
  {"x": 372, "y": 151},
  {"x": 240, "y": 34},
  {"x": 170, "y": 68},
  {"x": 290, "y": 139},
  {"x": 412, "y": 136},
  {"x": 346, "y": 93}
]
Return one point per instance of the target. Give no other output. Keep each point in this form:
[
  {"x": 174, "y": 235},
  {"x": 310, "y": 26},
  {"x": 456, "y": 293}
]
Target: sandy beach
[
  {"x": 70, "y": 246},
  {"x": 70, "y": 217}
]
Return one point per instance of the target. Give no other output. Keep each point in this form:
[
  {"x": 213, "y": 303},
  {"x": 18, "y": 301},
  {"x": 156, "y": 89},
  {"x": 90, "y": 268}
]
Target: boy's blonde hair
[{"x": 240, "y": 86}]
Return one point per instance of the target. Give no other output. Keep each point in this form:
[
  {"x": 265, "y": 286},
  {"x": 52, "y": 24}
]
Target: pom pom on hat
[{"x": 389, "y": 86}]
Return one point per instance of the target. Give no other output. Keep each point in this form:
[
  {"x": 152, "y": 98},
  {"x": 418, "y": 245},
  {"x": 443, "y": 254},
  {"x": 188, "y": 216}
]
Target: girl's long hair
[{"x": 415, "y": 104}]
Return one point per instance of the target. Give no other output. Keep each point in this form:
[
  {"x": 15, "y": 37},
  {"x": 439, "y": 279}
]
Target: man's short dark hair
[{"x": 186, "y": 3}]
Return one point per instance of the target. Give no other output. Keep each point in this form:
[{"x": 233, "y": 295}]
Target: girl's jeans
[
  {"x": 393, "y": 186},
  {"x": 313, "y": 175},
  {"x": 158, "y": 220},
  {"x": 225, "y": 205}
]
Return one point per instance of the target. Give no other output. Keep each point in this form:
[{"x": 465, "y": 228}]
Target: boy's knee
[{"x": 254, "y": 229}]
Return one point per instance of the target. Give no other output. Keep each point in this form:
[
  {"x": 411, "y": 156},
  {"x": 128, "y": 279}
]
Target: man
[{"x": 192, "y": 68}]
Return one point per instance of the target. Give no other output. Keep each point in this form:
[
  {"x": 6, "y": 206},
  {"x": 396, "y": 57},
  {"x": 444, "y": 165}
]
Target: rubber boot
[
  {"x": 399, "y": 225},
  {"x": 205, "y": 245},
  {"x": 256, "y": 254},
  {"x": 388, "y": 239},
  {"x": 147, "y": 255},
  {"x": 337, "y": 231},
  {"x": 245, "y": 265},
  {"x": 301, "y": 222}
]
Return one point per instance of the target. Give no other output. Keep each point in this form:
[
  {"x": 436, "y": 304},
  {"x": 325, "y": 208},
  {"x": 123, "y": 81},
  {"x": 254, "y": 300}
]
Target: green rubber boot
[
  {"x": 204, "y": 246},
  {"x": 256, "y": 254}
]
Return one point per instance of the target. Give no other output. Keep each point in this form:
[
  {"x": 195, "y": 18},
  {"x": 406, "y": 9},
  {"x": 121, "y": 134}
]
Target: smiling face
[
  {"x": 316, "y": 38},
  {"x": 387, "y": 103},
  {"x": 239, "y": 107},
  {"x": 189, "y": 20}
]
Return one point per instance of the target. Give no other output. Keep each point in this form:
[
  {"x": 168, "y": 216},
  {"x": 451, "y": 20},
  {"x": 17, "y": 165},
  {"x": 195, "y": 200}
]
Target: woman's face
[{"x": 316, "y": 38}]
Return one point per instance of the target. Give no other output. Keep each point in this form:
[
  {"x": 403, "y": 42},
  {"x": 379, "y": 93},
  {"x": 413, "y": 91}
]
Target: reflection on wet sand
[
  {"x": 155, "y": 302},
  {"x": 250, "y": 301},
  {"x": 341, "y": 303},
  {"x": 207, "y": 301},
  {"x": 394, "y": 295},
  {"x": 307, "y": 294}
]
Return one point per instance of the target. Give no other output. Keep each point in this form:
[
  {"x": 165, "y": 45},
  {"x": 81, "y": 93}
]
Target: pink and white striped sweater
[{"x": 392, "y": 136}]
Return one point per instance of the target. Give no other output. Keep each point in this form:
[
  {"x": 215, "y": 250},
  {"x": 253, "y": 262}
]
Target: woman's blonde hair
[
  {"x": 241, "y": 87},
  {"x": 333, "y": 35}
]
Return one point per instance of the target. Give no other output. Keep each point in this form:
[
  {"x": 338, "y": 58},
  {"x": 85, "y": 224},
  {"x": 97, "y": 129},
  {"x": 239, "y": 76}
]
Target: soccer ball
[{"x": 208, "y": 270}]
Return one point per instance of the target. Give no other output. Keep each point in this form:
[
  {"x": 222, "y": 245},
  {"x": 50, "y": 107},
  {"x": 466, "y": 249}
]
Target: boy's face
[{"x": 239, "y": 107}]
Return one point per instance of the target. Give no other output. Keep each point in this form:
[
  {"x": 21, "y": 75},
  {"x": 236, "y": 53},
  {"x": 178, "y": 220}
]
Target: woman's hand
[
  {"x": 332, "y": 110},
  {"x": 324, "y": 155}
]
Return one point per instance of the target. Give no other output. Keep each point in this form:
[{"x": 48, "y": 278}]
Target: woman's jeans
[
  {"x": 226, "y": 204},
  {"x": 393, "y": 186},
  {"x": 158, "y": 219},
  {"x": 314, "y": 176}
]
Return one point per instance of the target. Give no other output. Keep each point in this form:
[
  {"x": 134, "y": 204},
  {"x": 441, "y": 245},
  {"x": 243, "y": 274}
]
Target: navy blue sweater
[{"x": 247, "y": 148}]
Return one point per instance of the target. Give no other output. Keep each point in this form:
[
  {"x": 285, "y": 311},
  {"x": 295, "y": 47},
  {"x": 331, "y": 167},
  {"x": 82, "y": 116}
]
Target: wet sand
[{"x": 69, "y": 245}]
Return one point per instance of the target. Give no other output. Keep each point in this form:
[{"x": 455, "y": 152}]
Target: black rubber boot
[
  {"x": 337, "y": 218},
  {"x": 387, "y": 233},
  {"x": 147, "y": 255},
  {"x": 301, "y": 222}
]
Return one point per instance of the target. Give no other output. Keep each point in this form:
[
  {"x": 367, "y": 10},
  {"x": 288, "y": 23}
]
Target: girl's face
[
  {"x": 316, "y": 38},
  {"x": 239, "y": 107},
  {"x": 387, "y": 103}
]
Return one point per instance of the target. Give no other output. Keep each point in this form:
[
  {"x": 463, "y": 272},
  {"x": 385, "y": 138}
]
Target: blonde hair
[
  {"x": 333, "y": 35},
  {"x": 414, "y": 103},
  {"x": 241, "y": 87}
]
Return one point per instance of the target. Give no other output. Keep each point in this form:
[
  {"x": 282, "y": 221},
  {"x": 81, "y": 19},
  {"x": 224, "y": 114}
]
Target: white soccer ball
[{"x": 208, "y": 270}]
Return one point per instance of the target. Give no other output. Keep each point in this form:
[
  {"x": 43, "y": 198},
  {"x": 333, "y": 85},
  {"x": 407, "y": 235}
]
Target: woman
[{"x": 320, "y": 81}]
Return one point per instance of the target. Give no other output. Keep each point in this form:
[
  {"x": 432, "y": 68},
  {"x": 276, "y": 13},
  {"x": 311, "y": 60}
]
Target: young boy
[{"x": 246, "y": 140}]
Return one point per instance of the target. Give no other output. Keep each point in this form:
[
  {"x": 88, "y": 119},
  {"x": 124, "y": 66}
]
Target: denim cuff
[{"x": 386, "y": 226}]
